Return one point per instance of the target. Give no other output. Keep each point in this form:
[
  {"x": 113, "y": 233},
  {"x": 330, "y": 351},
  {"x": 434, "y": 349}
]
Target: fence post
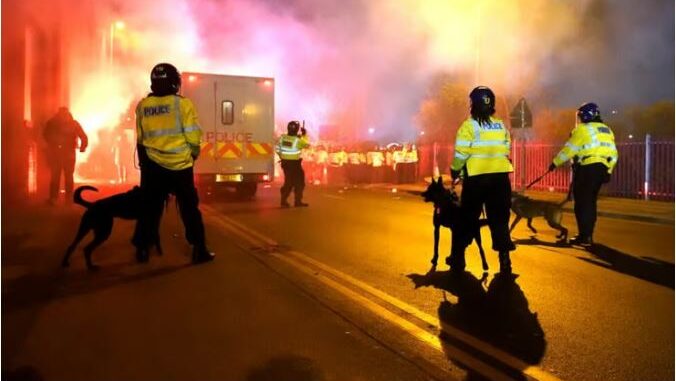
[{"x": 646, "y": 183}]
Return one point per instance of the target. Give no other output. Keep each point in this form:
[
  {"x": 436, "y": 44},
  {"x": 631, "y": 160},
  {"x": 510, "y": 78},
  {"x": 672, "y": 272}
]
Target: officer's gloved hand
[
  {"x": 195, "y": 152},
  {"x": 552, "y": 167},
  {"x": 303, "y": 131}
]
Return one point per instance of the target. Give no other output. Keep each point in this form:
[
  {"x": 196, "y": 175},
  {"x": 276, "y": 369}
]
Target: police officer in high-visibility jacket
[
  {"x": 592, "y": 147},
  {"x": 168, "y": 141},
  {"x": 482, "y": 149},
  {"x": 289, "y": 148}
]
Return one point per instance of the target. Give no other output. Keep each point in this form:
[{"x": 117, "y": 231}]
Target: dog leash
[{"x": 537, "y": 180}]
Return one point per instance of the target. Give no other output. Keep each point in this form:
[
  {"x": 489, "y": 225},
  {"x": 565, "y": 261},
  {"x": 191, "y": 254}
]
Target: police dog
[
  {"x": 528, "y": 208},
  {"x": 447, "y": 214},
  {"x": 99, "y": 218}
]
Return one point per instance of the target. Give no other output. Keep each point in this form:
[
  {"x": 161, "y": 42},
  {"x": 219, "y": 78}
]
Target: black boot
[
  {"x": 142, "y": 255},
  {"x": 456, "y": 262},
  {"x": 505, "y": 262},
  {"x": 582, "y": 241},
  {"x": 200, "y": 254}
]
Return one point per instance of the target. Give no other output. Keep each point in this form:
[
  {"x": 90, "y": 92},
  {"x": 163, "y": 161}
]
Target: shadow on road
[
  {"x": 535, "y": 241},
  {"x": 38, "y": 288},
  {"x": 23, "y": 373},
  {"x": 287, "y": 368},
  {"x": 649, "y": 269},
  {"x": 497, "y": 315}
]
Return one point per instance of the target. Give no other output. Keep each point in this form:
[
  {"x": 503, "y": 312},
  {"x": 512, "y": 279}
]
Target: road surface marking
[
  {"x": 428, "y": 338},
  {"x": 488, "y": 349},
  {"x": 334, "y": 196},
  {"x": 531, "y": 370},
  {"x": 230, "y": 223}
]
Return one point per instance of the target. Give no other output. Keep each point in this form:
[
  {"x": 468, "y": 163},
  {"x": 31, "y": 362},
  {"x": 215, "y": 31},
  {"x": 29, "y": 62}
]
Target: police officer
[
  {"x": 482, "y": 148},
  {"x": 289, "y": 148},
  {"x": 62, "y": 133},
  {"x": 168, "y": 139},
  {"x": 592, "y": 147}
]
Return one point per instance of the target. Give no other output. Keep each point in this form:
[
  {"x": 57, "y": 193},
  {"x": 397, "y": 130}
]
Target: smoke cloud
[{"x": 369, "y": 64}]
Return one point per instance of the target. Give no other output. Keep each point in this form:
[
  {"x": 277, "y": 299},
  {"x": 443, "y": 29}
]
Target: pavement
[
  {"x": 233, "y": 319},
  {"x": 613, "y": 207}
]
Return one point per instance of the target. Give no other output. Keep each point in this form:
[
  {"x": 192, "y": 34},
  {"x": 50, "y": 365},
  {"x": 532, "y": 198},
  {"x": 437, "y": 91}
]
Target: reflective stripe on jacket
[
  {"x": 482, "y": 148},
  {"x": 169, "y": 130},
  {"x": 289, "y": 147},
  {"x": 591, "y": 143}
]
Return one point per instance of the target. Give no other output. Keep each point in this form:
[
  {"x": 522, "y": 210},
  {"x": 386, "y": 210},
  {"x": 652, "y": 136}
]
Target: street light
[
  {"x": 117, "y": 25},
  {"x": 371, "y": 130}
]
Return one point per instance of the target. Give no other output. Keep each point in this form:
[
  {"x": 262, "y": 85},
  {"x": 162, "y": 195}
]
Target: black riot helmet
[
  {"x": 589, "y": 112},
  {"x": 482, "y": 102},
  {"x": 293, "y": 127},
  {"x": 165, "y": 79}
]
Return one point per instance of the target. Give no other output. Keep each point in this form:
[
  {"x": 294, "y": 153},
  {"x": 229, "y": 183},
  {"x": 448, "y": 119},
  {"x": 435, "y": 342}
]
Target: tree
[{"x": 442, "y": 112}]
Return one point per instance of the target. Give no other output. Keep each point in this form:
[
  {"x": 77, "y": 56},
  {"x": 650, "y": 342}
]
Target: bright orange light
[
  {"x": 267, "y": 82},
  {"x": 266, "y": 177},
  {"x": 192, "y": 78},
  {"x": 120, "y": 25}
]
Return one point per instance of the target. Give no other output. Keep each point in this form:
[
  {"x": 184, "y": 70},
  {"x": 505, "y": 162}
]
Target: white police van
[{"x": 237, "y": 116}]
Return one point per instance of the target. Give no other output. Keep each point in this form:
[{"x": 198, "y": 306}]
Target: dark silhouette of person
[
  {"x": 498, "y": 315},
  {"x": 62, "y": 134}
]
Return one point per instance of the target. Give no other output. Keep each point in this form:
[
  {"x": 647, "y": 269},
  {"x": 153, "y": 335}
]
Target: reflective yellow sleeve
[
  {"x": 463, "y": 144},
  {"x": 303, "y": 142},
  {"x": 139, "y": 120},
  {"x": 572, "y": 146},
  {"x": 191, "y": 127}
]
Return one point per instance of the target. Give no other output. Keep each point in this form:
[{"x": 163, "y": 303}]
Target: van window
[{"x": 228, "y": 112}]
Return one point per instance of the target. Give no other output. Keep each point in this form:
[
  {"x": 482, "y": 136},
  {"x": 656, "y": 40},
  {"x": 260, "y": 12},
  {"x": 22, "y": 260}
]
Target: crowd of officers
[{"x": 397, "y": 163}]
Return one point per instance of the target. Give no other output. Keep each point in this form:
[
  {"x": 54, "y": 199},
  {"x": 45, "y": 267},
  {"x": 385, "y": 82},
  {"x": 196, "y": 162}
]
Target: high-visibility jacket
[
  {"x": 375, "y": 158},
  {"x": 482, "y": 148},
  {"x": 398, "y": 156},
  {"x": 168, "y": 128},
  {"x": 411, "y": 156},
  {"x": 322, "y": 156},
  {"x": 591, "y": 143},
  {"x": 353, "y": 158},
  {"x": 338, "y": 159},
  {"x": 289, "y": 147}
]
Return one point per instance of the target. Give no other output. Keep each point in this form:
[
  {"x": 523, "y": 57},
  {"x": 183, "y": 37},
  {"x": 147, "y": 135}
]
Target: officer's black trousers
[
  {"x": 156, "y": 184},
  {"x": 494, "y": 191},
  {"x": 61, "y": 160},
  {"x": 586, "y": 186},
  {"x": 294, "y": 179}
]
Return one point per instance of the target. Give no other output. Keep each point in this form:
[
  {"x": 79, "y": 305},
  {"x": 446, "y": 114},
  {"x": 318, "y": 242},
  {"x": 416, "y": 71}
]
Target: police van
[{"x": 237, "y": 118}]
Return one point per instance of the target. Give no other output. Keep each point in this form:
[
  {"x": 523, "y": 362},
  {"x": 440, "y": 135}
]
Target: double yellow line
[{"x": 346, "y": 285}]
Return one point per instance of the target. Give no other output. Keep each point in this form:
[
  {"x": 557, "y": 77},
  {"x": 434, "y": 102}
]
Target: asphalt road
[
  {"x": 337, "y": 291},
  {"x": 570, "y": 313}
]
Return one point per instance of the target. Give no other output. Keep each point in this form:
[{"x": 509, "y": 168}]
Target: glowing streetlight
[
  {"x": 117, "y": 25},
  {"x": 371, "y": 130}
]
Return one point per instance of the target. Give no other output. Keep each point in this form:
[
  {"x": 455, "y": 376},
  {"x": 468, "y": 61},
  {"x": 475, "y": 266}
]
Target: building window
[{"x": 228, "y": 112}]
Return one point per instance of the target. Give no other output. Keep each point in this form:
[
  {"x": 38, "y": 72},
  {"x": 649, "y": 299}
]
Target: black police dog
[
  {"x": 528, "y": 208},
  {"x": 99, "y": 218},
  {"x": 447, "y": 214}
]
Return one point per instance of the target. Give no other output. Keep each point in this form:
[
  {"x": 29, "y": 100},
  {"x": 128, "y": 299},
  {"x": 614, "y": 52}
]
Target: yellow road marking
[
  {"x": 419, "y": 333},
  {"x": 251, "y": 236},
  {"x": 481, "y": 345}
]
